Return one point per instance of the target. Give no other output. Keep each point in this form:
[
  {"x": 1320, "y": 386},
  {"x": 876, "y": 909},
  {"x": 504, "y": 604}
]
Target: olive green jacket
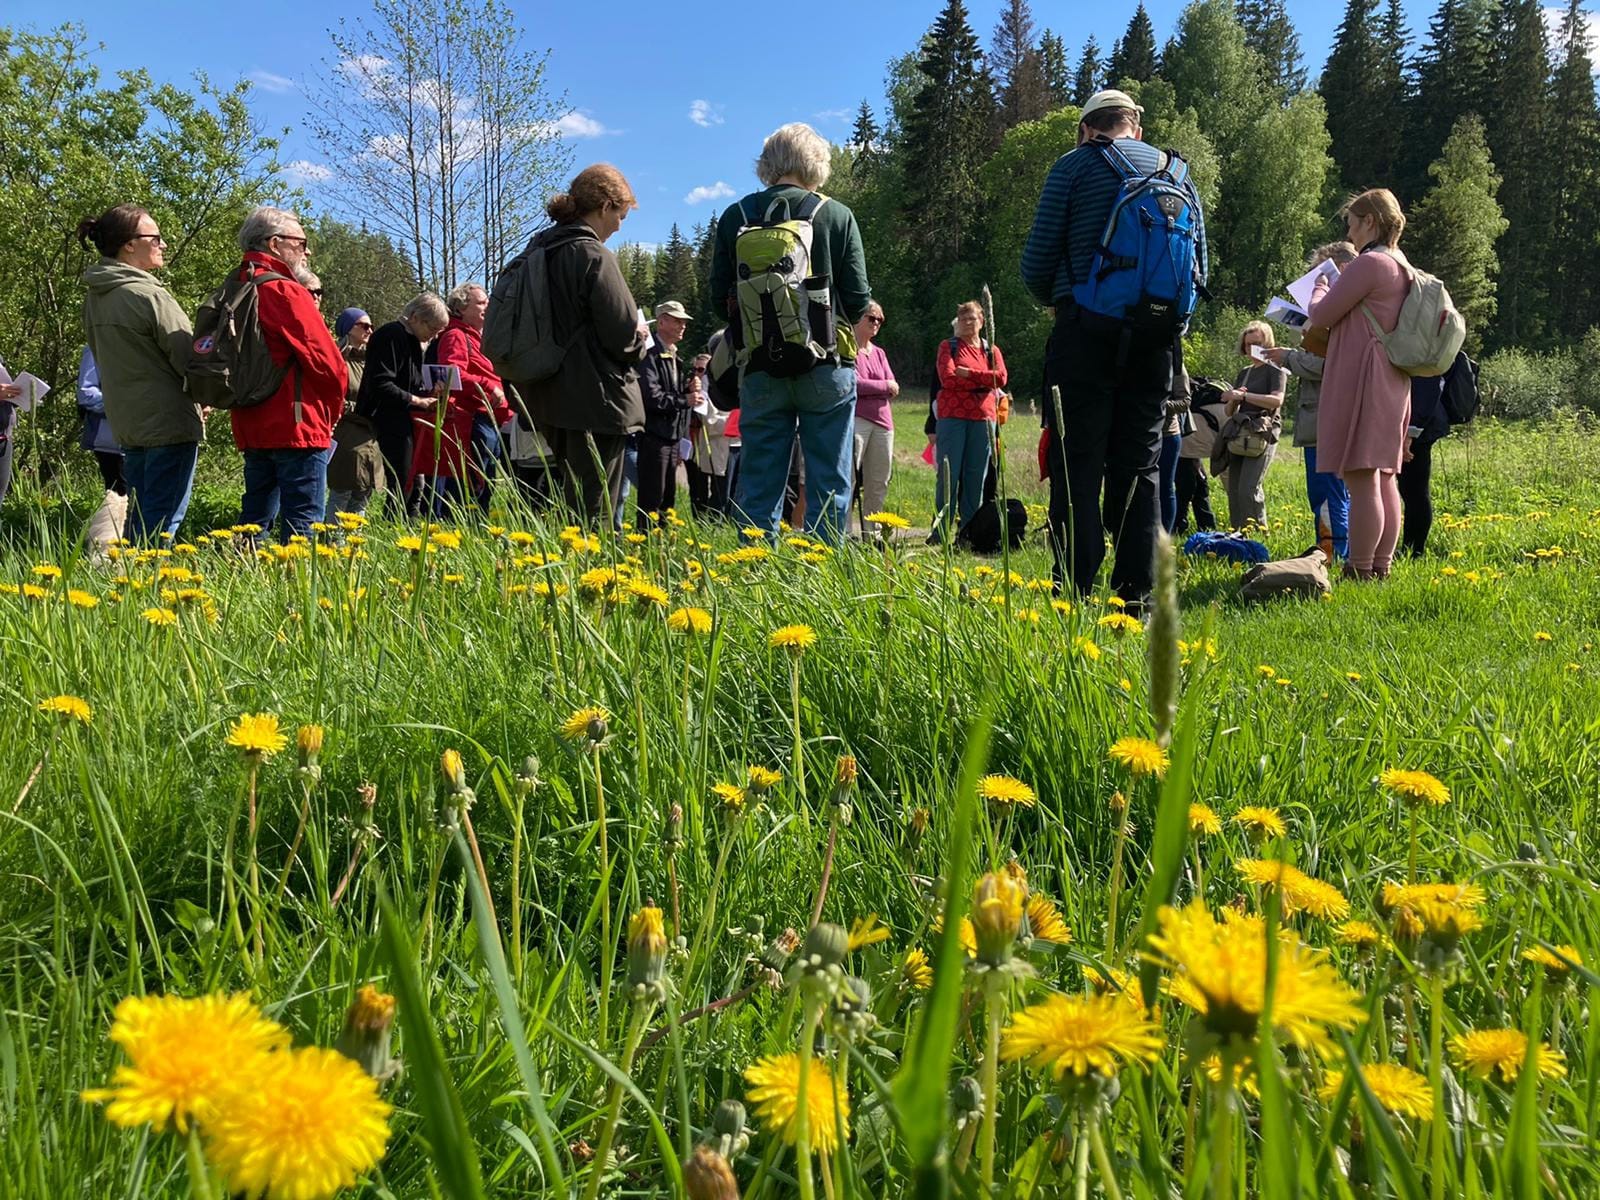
[{"x": 141, "y": 341}]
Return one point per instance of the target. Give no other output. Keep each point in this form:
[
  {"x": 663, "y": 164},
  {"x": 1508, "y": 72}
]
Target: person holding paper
[
  {"x": 1366, "y": 399},
  {"x": 479, "y": 407},
  {"x": 9, "y": 394},
  {"x": 393, "y": 390},
  {"x": 285, "y": 438},
  {"x": 1325, "y": 491},
  {"x": 140, "y": 340},
  {"x": 664, "y": 388},
  {"x": 1246, "y": 440}
]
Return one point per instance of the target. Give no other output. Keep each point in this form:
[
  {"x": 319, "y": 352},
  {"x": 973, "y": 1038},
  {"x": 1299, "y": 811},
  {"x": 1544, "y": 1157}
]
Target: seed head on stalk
[{"x": 1161, "y": 642}]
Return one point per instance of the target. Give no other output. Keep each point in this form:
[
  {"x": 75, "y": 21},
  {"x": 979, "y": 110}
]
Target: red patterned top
[{"x": 969, "y": 397}]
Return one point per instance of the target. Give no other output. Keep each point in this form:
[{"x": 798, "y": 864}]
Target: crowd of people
[{"x": 789, "y": 412}]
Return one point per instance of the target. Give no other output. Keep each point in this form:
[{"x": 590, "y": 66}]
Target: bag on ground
[
  {"x": 1430, "y": 331},
  {"x": 1305, "y": 577},
  {"x": 229, "y": 364},
  {"x": 519, "y": 338},
  {"x": 1149, "y": 269},
  {"x": 1234, "y": 547},
  {"x": 784, "y": 324},
  {"x": 981, "y": 534}
]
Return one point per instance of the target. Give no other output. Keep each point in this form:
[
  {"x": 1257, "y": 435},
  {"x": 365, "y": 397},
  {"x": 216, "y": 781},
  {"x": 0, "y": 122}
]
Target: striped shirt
[{"x": 1071, "y": 218}]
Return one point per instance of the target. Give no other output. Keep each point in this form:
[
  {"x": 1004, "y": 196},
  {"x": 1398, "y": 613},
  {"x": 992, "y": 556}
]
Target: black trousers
[
  {"x": 111, "y": 471},
  {"x": 658, "y": 477},
  {"x": 1416, "y": 499},
  {"x": 396, "y": 446},
  {"x": 1194, "y": 492},
  {"x": 592, "y": 492},
  {"x": 708, "y": 494},
  {"x": 1113, "y": 393}
]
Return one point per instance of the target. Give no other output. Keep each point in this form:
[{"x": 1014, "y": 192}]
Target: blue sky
[{"x": 672, "y": 101}]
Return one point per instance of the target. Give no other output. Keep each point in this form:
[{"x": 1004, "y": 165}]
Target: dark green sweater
[{"x": 835, "y": 251}]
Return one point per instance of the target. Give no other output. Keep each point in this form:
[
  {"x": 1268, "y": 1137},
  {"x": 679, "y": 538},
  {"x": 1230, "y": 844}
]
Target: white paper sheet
[
  {"x": 33, "y": 388},
  {"x": 1300, "y": 289},
  {"x": 1285, "y": 312},
  {"x": 435, "y": 374}
]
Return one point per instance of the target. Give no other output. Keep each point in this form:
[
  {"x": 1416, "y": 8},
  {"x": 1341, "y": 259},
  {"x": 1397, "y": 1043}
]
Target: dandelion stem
[
  {"x": 608, "y": 1133},
  {"x": 1116, "y": 880},
  {"x": 802, "y": 1115},
  {"x": 1435, "y": 1052},
  {"x": 1411, "y": 860},
  {"x": 255, "y": 870},
  {"x": 710, "y": 914},
  {"x": 516, "y": 887},
  {"x": 294, "y": 845},
  {"x": 989, "y": 1079},
  {"x": 827, "y": 868},
  {"x": 1102, "y": 1161},
  {"x": 798, "y": 764},
  {"x": 605, "y": 897},
  {"x": 477, "y": 862},
  {"x": 1080, "y": 1165},
  {"x": 199, "y": 1177},
  {"x": 1222, "y": 1128}
]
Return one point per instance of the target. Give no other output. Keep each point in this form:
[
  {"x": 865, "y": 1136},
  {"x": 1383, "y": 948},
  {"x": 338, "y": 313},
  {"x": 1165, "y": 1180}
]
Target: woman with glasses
[
  {"x": 140, "y": 340},
  {"x": 971, "y": 374},
  {"x": 876, "y": 388}
]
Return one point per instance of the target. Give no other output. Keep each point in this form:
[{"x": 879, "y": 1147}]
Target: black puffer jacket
[{"x": 597, "y": 319}]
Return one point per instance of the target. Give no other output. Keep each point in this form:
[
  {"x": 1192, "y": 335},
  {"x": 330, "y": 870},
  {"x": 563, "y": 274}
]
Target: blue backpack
[
  {"x": 1234, "y": 547},
  {"x": 1149, "y": 270}
]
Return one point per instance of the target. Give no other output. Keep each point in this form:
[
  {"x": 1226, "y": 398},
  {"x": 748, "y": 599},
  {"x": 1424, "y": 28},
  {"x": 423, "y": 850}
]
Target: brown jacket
[{"x": 597, "y": 319}]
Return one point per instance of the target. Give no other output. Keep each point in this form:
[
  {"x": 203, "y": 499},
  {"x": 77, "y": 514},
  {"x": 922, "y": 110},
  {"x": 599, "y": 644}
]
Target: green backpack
[{"x": 785, "y": 323}]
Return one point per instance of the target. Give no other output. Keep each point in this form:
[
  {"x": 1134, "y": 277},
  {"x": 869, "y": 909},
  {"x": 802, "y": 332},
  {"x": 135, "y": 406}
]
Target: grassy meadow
[{"x": 1105, "y": 909}]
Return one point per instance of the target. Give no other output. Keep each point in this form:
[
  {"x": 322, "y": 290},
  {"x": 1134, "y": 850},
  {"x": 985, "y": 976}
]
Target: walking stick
[{"x": 1000, "y": 468}]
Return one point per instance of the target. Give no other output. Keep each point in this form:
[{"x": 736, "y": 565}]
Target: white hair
[
  {"x": 461, "y": 296},
  {"x": 426, "y": 307},
  {"x": 307, "y": 278},
  {"x": 261, "y": 226},
  {"x": 797, "y": 151}
]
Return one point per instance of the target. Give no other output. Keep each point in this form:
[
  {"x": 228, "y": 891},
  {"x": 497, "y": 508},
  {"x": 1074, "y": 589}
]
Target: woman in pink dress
[{"x": 1366, "y": 401}]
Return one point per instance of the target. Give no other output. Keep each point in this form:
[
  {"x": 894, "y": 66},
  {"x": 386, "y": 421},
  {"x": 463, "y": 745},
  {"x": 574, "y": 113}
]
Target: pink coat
[{"x": 1366, "y": 402}]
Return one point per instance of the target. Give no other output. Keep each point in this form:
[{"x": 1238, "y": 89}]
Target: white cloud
[
  {"x": 701, "y": 194},
  {"x": 268, "y": 81},
  {"x": 576, "y": 124},
  {"x": 704, "y": 113},
  {"x": 302, "y": 172},
  {"x": 833, "y": 114}
]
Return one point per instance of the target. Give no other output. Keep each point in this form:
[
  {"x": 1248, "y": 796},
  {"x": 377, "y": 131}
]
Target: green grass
[{"x": 112, "y": 834}]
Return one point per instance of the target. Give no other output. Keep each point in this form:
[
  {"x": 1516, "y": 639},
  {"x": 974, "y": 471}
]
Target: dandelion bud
[
  {"x": 844, "y": 775},
  {"x": 367, "y": 793},
  {"x": 997, "y": 902},
  {"x": 707, "y": 1176},
  {"x": 825, "y": 946},
  {"x": 647, "y": 953},
  {"x": 852, "y": 1016},
  {"x": 774, "y": 959},
  {"x": 368, "y": 1025},
  {"x": 672, "y": 836},
  {"x": 728, "y": 1135},
  {"x": 1162, "y": 640},
  {"x": 966, "y": 1101},
  {"x": 916, "y": 830},
  {"x": 1119, "y": 804},
  {"x": 453, "y": 770},
  {"x": 527, "y": 780},
  {"x": 309, "y": 742}
]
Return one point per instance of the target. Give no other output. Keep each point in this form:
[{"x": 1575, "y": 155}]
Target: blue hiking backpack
[{"x": 1149, "y": 269}]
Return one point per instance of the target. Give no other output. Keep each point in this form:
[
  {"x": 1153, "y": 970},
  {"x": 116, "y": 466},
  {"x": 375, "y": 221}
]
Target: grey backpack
[
  {"x": 1305, "y": 577},
  {"x": 519, "y": 338},
  {"x": 229, "y": 364}
]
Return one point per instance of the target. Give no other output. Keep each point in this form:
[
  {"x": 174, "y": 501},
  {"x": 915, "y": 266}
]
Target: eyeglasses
[
  {"x": 284, "y": 237},
  {"x": 153, "y": 238},
  {"x": 367, "y": 325},
  {"x": 317, "y": 292},
  {"x": 876, "y": 320}
]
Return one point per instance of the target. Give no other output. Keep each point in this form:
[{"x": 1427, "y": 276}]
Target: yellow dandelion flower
[
  {"x": 775, "y": 1090},
  {"x": 648, "y": 595},
  {"x": 1045, "y": 922},
  {"x": 47, "y": 571},
  {"x": 68, "y": 708},
  {"x": 1399, "y": 1089},
  {"x": 306, "y": 1125},
  {"x": 966, "y": 935},
  {"x": 183, "y": 1056},
  {"x": 1500, "y": 1053},
  {"x": 160, "y": 617},
  {"x": 1555, "y": 959},
  {"x": 1542, "y": 636},
  {"x": 590, "y": 723},
  {"x": 32, "y": 591},
  {"x": 1415, "y": 787},
  {"x": 1080, "y": 1034},
  {"x": 81, "y": 599},
  {"x": 1004, "y": 791},
  {"x": 867, "y": 931},
  {"x": 1353, "y": 676},
  {"x": 1361, "y": 934},
  {"x": 450, "y": 539},
  {"x": 1086, "y": 647},
  {"x": 1140, "y": 756},
  {"x": 410, "y": 543},
  {"x": 1220, "y": 968},
  {"x": 1203, "y": 820},
  {"x": 257, "y": 735},
  {"x": 731, "y": 795},
  {"x": 1409, "y": 895},
  {"x": 1298, "y": 891},
  {"x": 762, "y": 779},
  {"x": 1260, "y": 821},
  {"x": 998, "y": 900},
  {"x": 888, "y": 520},
  {"x": 696, "y": 621},
  {"x": 1121, "y": 623},
  {"x": 915, "y": 973},
  {"x": 796, "y": 639}
]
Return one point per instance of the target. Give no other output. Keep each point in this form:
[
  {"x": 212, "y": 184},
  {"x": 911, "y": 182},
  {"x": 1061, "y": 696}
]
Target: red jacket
[
  {"x": 969, "y": 397},
  {"x": 296, "y": 337},
  {"x": 460, "y": 345}
]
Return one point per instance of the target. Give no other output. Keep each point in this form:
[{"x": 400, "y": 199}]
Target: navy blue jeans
[
  {"x": 1171, "y": 444},
  {"x": 487, "y": 454},
  {"x": 293, "y": 483},
  {"x": 821, "y": 406},
  {"x": 160, "y": 481}
]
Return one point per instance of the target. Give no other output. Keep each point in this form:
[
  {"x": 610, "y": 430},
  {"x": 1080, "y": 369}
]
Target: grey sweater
[{"x": 1307, "y": 368}]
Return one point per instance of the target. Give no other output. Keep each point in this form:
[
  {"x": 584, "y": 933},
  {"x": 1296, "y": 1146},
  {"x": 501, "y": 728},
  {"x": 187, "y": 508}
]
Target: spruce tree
[
  {"x": 1086, "y": 82},
  {"x": 1214, "y": 72},
  {"x": 1574, "y": 180},
  {"x": 1518, "y": 128},
  {"x": 1270, "y": 33},
  {"x": 1135, "y": 54},
  {"x": 1053, "y": 68},
  {"x": 1014, "y": 59},
  {"x": 864, "y": 140},
  {"x": 948, "y": 135},
  {"x": 1454, "y": 229},
  {"x": 1451, "y": 79},
  {"x": 675, "y": 270},
  {"x": 1362, "y": 86}
]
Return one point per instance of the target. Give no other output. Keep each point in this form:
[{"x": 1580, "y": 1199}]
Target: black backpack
[
  {"x": 229, "y": 364},
  {"x": 981, "y": 534},
  {"x": 1460, "y": 397}
]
